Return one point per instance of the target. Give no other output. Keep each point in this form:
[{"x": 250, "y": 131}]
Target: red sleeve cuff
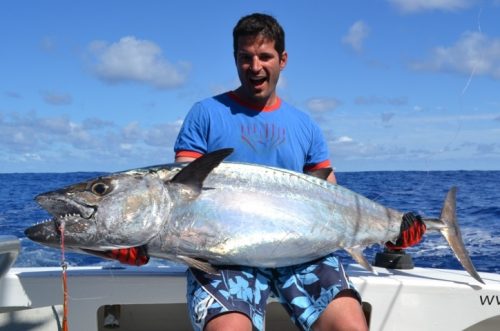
[
  {"x": 188, "y": 154},
  {"x": 321, "y": 165}
]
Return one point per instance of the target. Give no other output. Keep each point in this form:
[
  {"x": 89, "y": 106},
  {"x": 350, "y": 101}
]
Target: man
[{"x": 263, "y": 129}]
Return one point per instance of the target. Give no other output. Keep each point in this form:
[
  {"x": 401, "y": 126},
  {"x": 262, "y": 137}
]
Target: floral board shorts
[{"x": 304, "y": 290}]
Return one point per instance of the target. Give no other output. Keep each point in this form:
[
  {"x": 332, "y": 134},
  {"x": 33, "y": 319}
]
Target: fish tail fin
[{"x": 451, "y": 232}]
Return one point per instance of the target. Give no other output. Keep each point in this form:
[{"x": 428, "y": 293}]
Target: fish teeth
[
  {"x": 66, "y": 216},
  {"x": 58, "y": 218},
  {"x": 44, "y": 221}
]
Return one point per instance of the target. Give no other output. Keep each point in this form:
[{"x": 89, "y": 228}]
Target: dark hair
[{"x": 260, "y": 24}]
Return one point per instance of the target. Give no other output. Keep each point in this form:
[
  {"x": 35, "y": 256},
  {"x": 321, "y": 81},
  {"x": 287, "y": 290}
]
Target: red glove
[
  {"x": 412, "y": 230},
  {"x": 133, "y": 256}
]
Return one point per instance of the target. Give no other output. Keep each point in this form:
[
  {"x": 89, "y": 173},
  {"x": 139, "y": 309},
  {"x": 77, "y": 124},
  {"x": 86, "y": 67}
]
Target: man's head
[
  {"x": 259, "y": 43},
  {"x": 259, "y": 24}
]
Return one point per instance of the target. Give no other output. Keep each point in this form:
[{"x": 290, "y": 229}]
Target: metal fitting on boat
[
  {"x": 392, "y": 259},
  {"x": 111, "y": 316},
  {"x": 9, "y": 249}
]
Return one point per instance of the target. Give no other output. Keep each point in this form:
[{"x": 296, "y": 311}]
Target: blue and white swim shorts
[{"x": 304, "y": 290}]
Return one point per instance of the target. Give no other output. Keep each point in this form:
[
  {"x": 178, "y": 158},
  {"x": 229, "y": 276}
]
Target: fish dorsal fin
[
  {"x": 195, "y": 172},
  {"x": 198, "y": 264},
  {"x": 357, "y": 255}
]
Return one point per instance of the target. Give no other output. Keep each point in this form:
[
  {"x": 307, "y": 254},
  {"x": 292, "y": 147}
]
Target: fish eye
[{"x": 99, "y": 188}]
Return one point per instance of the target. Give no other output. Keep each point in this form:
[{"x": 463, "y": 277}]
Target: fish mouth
[
  {"x": 68, "y": 216},
  {"x": 50, "y": 232},
  {"x": 60, "y": 206},
  {"x": 45, "y": 233}
]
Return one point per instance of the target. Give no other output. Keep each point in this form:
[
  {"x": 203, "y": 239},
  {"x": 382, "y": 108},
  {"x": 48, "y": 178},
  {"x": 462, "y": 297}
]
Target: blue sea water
[{"x": 478, "y": 210}]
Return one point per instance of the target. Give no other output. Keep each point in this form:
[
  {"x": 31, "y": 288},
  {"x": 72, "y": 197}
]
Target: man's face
[{"x": 259, "y": 66}]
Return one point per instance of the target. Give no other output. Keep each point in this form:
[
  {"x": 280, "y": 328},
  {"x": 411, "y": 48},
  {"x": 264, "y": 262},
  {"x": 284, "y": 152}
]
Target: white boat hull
[{"x": 153, "y": 298}]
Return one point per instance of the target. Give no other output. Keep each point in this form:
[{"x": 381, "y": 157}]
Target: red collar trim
[{"x": 272, "y": 107}]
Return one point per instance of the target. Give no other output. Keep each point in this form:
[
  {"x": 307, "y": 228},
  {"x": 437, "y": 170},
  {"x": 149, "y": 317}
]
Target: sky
[{"x": 105, "y": 85}]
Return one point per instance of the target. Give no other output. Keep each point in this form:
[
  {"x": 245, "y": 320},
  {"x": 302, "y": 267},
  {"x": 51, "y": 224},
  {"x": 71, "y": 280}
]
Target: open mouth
[
  {"x": 66, "y": 214},
  {"x": 50, "y": 229},
  {"x": 62, "y": 208},
  {"x": 46, "y": 232},
  {"x": 59, "y": 206},
  {"x": 258, "y": 81},
  {"x": 60, "y": 221}
]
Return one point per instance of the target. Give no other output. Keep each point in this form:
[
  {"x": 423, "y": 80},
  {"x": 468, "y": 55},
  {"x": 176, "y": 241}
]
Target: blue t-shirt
[{"x": 280, "y": 136}]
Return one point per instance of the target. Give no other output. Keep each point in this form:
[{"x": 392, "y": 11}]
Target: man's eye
[{"x": 245, "y": 58}]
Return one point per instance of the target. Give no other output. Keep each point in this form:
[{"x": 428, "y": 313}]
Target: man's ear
[{"x": 283, "y": 60}]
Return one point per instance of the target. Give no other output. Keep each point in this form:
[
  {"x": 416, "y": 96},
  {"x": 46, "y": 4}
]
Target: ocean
[{"x": 478, "y": 211}]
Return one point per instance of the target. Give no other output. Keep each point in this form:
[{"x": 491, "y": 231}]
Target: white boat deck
[{"x": 153, "y": 298}]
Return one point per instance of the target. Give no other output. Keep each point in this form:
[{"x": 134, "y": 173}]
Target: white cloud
[
  {"x": 356, "y": 35},
  {"x": 282, "y": 82},
  {"x": 478, "y": 148},
  {"x": 387, "y": 117},
  {"x": 31, "y": 157},
  {"x": 322, "y": 105},
  {"x": 132, "y": 132},
  {"x": 126, "y": 147},
  {"x": 95, "y": 123},
  {"x": 416, "y": 6},
  {"x": 343, "y": 140},
  {"x": 346, "y": 148},
  {"x": 473, "y": 53},
  {"x": 12, "y": 94},
  {"x": 97, "y": 144},
  {"x": 57, "y": 99},
  {"x": 135, "y": 60},
  {"x": 47, "y": 44},
  {"x": 159, "y": 135},
  {"x": 374, "y": 100}
]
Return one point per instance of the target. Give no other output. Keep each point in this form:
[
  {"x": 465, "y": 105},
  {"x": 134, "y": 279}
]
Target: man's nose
[{"x": 255, "y": 65}]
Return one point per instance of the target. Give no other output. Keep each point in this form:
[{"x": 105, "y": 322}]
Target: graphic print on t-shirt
[{"x": 263, "y": 137}]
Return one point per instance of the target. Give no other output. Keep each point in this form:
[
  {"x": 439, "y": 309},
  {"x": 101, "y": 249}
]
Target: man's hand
[
  {"x": 412, "y": 230},
  {"x": 133, "y": 256}
]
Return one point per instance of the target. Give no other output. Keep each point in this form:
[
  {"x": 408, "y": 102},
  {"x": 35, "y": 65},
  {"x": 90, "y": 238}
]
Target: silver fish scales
[{"x": 210, "y": 213}]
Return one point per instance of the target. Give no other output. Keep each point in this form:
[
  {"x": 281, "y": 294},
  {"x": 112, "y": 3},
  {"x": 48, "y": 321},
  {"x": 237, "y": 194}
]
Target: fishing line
[
  {"x": 110, "y": 273},
  {"x": 454, "y": 136},
  {"x": 447, "y": 146},
  {"x": 64, "y": 266}
]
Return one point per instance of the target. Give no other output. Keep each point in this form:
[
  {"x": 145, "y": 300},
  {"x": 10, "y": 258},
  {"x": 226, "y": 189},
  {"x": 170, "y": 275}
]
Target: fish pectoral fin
[
  {"x": 195, "y": 172},
  {"x": 357, "y": 255},
  {"x": 198, "y": 264}
]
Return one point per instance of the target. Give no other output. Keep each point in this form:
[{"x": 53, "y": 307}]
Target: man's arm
[
  {"x": 181, "y": 159},
  {"x": 331, "y": 178},
  {"x": 324, "y": 173}
]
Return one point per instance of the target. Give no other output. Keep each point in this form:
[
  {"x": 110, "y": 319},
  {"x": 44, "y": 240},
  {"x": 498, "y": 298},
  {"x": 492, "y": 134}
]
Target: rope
[{"x": 64, "y": 266}]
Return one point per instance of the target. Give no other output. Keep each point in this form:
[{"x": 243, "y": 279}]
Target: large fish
[{"x": 208, "y": 213}]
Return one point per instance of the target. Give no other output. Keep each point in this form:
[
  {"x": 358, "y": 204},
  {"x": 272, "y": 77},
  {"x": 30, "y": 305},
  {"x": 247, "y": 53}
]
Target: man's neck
[{"x": 255, "y": 103}]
